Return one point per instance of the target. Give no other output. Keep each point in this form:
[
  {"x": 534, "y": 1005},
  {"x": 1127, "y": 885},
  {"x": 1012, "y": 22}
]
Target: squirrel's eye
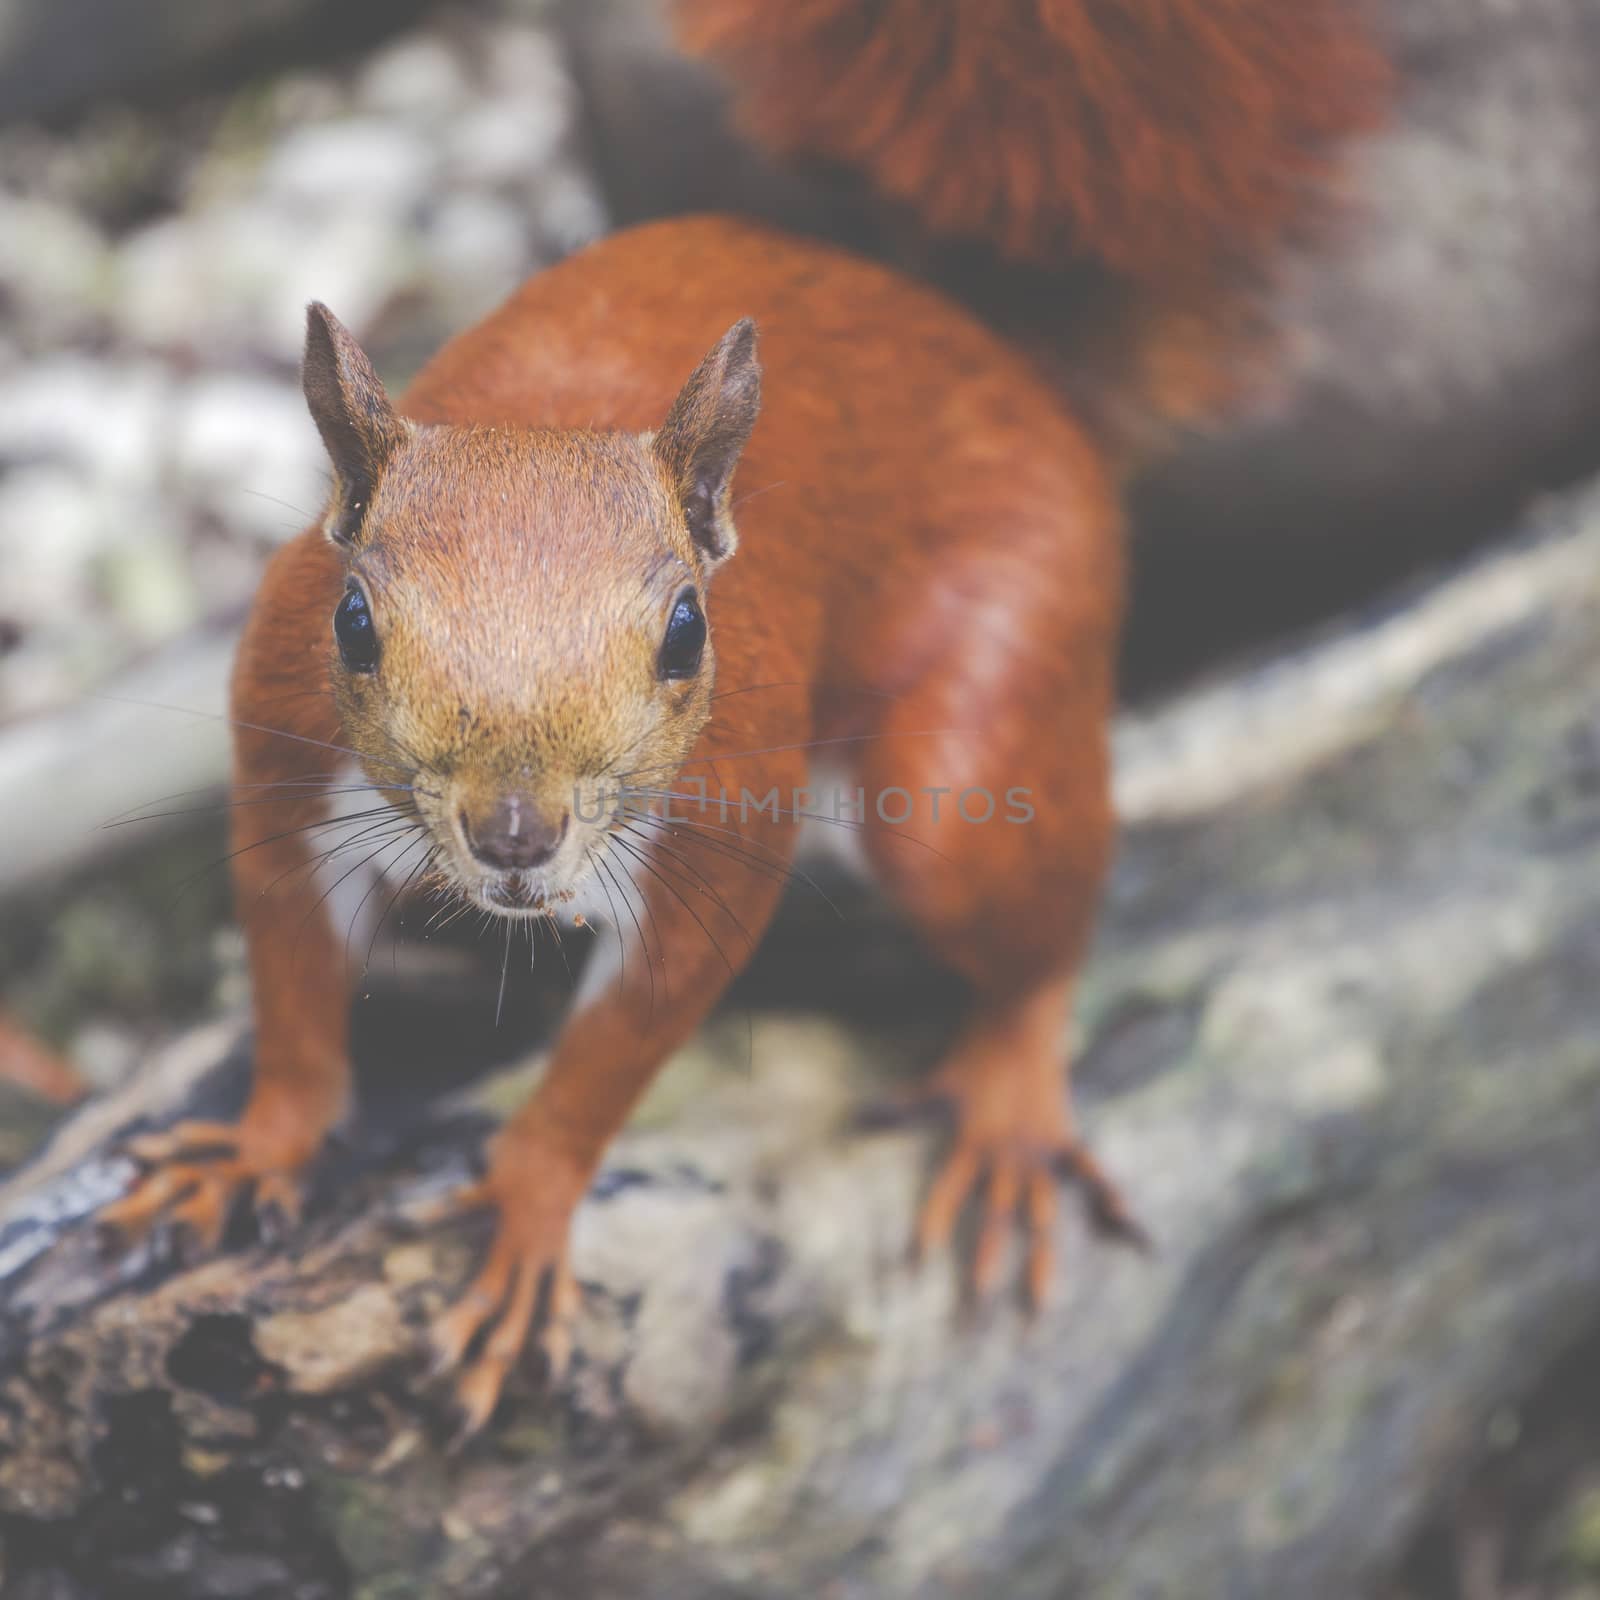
[
  {"x": 685, "y": 642},
  {"x": 352, "y": 627}
]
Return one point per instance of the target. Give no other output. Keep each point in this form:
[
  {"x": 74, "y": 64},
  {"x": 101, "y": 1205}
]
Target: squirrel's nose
[{"x": 514, "y": 834}]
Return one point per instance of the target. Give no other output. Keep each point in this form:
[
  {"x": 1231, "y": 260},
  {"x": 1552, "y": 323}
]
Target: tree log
[{"x": 1339, "y": 1041}]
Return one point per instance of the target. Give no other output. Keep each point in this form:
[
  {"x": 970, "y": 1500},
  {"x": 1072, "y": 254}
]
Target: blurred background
[{"x": 177, "y": 179}]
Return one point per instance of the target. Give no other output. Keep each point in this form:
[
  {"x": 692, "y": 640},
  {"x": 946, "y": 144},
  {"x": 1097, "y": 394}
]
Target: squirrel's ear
[
  {"x": 352, "y": 413},
  {"x": 708, "y": 425}
]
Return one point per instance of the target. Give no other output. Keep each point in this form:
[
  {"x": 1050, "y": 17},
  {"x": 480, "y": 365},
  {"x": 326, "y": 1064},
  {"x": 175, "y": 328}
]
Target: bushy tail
[{"x": 1153, "y": 136}]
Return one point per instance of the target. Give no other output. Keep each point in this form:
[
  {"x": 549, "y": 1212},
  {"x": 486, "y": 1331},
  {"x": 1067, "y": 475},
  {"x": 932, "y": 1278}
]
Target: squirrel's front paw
[
  {"x": 196, "y": 1174},
  {"x": 525, "y": 1290}
]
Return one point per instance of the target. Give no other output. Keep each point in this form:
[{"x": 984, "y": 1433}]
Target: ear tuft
[
  {"x": 700, "y": 442},
  {"x": 359, "y": 427}
]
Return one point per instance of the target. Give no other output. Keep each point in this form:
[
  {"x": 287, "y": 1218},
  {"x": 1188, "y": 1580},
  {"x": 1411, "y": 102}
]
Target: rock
[
  {"x": 504, "y": 140},
  {"x": 474, "y": 247},
  {"x": 102, "y": 419},
  {"x": 47, "y": 574},
  {"x": 570, "y": 212},
  {"x": 52, "y": 261},
  {"x": 149, "y": 587},
  {"x": 65, "y": 774},
  {"x": 236, "y": 281},
  {"x": 378, "y": 165},
  {"x": 416, "y": 77},
  {"x": 245, "y": 450},
  {"x": 105, "y": 1054}
]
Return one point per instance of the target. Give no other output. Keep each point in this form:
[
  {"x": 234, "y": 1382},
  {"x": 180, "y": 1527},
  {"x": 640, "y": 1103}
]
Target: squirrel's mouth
[{"x": 520, "y": 894}]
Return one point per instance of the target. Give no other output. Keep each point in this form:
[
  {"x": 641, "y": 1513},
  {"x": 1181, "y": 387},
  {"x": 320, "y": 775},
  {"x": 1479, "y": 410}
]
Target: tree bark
[{"x": 1340, "y": 1043}]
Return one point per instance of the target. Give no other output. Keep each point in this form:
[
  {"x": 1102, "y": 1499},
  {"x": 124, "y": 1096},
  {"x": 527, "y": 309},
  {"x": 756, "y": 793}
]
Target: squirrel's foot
[
  {"x": 524, "y": 1293},
  {"x": 1014, "y": 1141},
  {"x": 198, "y": 1172}
]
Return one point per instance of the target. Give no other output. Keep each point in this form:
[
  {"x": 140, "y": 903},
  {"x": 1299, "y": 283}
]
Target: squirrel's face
[{"x": 523, "y": 634}]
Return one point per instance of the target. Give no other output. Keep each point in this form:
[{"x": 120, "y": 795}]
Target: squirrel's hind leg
[{"x": 1001, "y": 882}]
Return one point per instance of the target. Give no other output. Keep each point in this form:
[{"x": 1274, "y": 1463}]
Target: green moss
[
  {"x": 1581, "y": 1545},
  {"x": 25, "y": 1120},
  {"x": 136, "y": 944},
  {"x": 387, "y": 1554}
]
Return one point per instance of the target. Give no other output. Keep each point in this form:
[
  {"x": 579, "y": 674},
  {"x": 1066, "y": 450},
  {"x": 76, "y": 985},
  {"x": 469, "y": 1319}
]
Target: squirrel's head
[{"x": 523, "y": 631}]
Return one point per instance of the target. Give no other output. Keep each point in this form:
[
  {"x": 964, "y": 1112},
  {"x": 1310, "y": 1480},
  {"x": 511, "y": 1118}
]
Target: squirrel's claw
[
  {"x": 1108, "y": 1210},
  {"x": 188, "y": 1139},
  {"x": 197, "y": 1174},
  {"x": 1013, "y": 1142},
  {"x": 1017, "y": 1181},
  {"x": 524, "y": 1293}
]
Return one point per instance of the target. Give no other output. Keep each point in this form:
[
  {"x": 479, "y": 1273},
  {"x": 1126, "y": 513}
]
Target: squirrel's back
[
  {"x": 900, "y": 441},
  {"x": 877, "y": 385}
]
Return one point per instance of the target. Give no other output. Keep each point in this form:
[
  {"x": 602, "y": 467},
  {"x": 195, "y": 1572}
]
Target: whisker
[
  {"x": 740, "y": 851},
  {"x": 311, "y": 783},
  {"x": 616, "y": 921},
  {"x": 462, "y": 908},
  {"x": 405, "y": 887},
  {"x": 700, "y": 883},
  {"x": 561, "y": 949},
  {"x": 448, "y": 906},
  {"x": 405, "y": 750},
  {"x": 267, "y": 800},
  {"x": 505, "y": 967},
  {"x": 300, "y": 694},
  {"x": 385, "y": 843},
  {"x": 894, "y": 831},
  {"x": 650, "y": 867},
  {"x": 275, "y": 838},
  {"x": 361, "y": 905},
  {"x": 767, "y": 869},
  {"x": 806, "y": 744},
  {"x": 612, "y": 868},
  {"x": 253, "y": 727},
  {"x": 704, "y": 887},
  {"x": 313, "y": 864},
  {"x": 755, "y": 494},
  {"x": 622, "y": 755},
  {"x": 272, "y": 499},
  {"x": 349, "y": 873},
  {"x": 820, "y": 684}
]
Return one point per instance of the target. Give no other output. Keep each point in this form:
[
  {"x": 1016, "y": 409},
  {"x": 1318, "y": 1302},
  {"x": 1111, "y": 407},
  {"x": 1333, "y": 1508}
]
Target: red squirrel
[{"x": 542, "y": 622}]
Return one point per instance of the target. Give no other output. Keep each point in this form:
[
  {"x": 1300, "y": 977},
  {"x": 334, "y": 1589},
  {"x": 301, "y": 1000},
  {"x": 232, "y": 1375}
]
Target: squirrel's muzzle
[{"x": 514, "y": 834}]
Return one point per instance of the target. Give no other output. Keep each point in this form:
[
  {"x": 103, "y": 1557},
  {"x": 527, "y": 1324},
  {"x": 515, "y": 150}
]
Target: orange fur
[
  {"x": 1157, "y": 137},
  {"x": 926, "y": 585},
  {"x": 28, "y": 1062},
  {"x": 927, "y": 582}
]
